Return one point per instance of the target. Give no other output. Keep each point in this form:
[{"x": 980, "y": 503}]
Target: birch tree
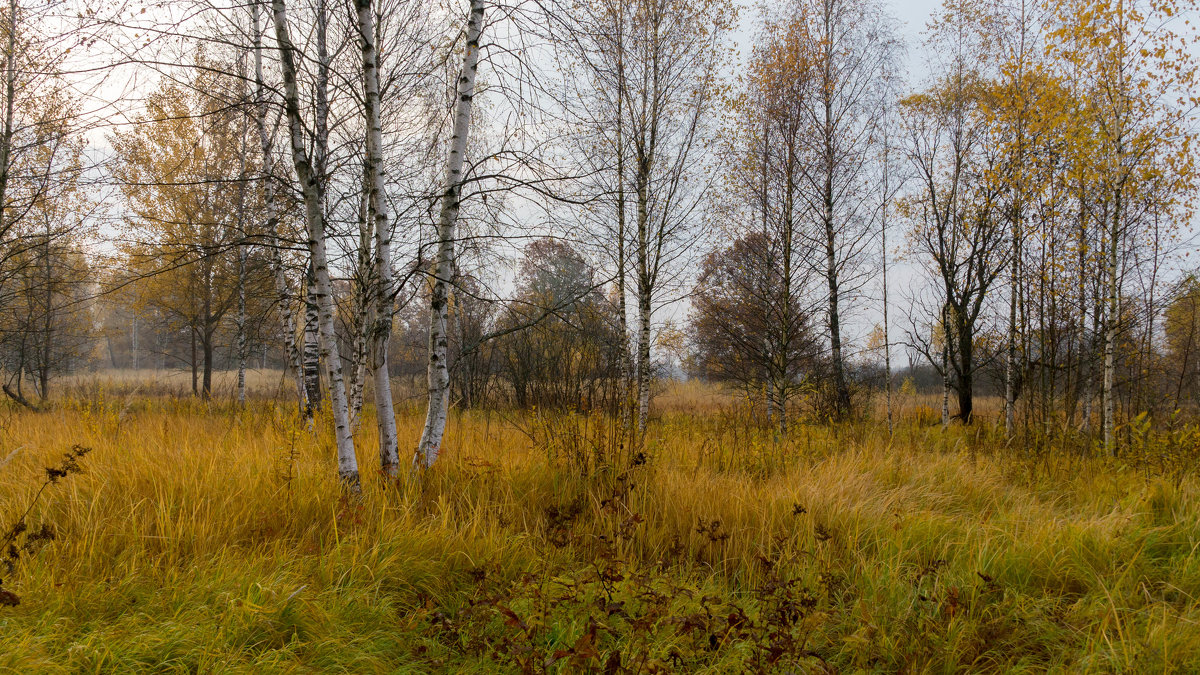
[
  {"x": 438, "y": 373},
  {"x": 671, "y": 90},
  {"x": 272, "y": 224},
  {"x": 771, "y": 331},
  {"x": 380, "y": 221},
  {"x": 593, "y": 43},
  {"x": 852, "y": 56},
  {"x": 312, "y": 190}
]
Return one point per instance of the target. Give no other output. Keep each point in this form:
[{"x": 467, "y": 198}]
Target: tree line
[{"x": 534, "y": 203}]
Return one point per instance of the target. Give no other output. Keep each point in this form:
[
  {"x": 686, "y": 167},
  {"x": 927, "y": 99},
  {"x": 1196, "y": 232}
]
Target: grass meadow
[{"x": 201, "y": 538}]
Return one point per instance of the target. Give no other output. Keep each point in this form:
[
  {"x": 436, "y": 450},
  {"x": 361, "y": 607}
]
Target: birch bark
[
  {"x": 389, "y": 457},
  {"x": 363, "y": 298},
  {"x": 311, "y": 344},
  {"x": 314, "y": 216},
  {"x": 439, "y": 373},
  {"x": 282, "y": 288}
]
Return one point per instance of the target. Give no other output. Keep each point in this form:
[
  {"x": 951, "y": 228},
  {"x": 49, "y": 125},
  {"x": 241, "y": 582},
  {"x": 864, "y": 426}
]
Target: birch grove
[
  {"x": 1017, "y": 218},
  {"x": 380, "y": 222}
]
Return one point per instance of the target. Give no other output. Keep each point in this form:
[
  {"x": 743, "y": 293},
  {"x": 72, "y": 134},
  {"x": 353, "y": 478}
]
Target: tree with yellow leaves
[
  {"x": 1136, "y": 77},
  {"x": 184, "y": 174},
  {"x": 43, "y": 211}
]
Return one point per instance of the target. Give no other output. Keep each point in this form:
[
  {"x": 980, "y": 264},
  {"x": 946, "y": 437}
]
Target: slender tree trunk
[
  {"x": 1085, "y": 352},
  {"x": 785, "y": 331},
  {"x": 315, "y": 218},
  {"x": 1110, "y": 329},
  {"x": 439, "y": 372},
  {"x": 241, "y": 326},
  {"x": 842, "y": 390},
  {"x": 1044, "y": 347},
  {"x": 829, "y": 131},
  {"x": 195, "y": 366},
  {"x": 1010, "y": 356},
  {"x": 945, "y": 370},
  {"x": 312, "y": 344},
  {"x": 242, "y": 252},
  {"x": 644, "y": 287},
  {"x": 389, "y": 457},
  {"x": 965, "y": 386},
  {"x": 295, "y": 361},
  {"x": 363, "y": 299},
  {"x": 282, "y": 288},
  {"x": 887, "y": 344},
  {"x": 206, "y": 345},
  {"x": 626, "y": 364},
  {"x": 6, "y": 135},
  {"x": 1095, "y": 340},
  {"x": 622, "y": 310},
  {"x": 47, "y": 317},
  {"x": 645, "y": 147}
]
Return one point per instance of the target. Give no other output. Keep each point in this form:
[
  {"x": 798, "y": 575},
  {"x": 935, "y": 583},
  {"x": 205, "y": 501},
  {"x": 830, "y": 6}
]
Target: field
[{"x": 202, "y": 538}]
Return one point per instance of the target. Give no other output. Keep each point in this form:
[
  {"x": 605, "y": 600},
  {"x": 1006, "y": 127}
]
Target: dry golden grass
[
  {"x": 260, "y": 383},
  {"x": 205, "y": 539}
]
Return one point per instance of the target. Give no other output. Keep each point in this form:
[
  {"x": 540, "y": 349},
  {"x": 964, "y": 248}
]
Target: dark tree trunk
[
  {"x": 965, "y": 379},
  {"x": 206, "y": 386},
  {"x": 195, "y": 371}
]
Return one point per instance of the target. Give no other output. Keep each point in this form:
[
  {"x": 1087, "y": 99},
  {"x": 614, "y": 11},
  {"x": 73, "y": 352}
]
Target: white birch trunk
[
  {"x": 439, "y": 373},
  {"x": 1014, "y": 306},
  {"x": 626, "y": 362},
  {"x": 945, "y": 371},
  {"x": 380, "y": 334},
  {"x": 311, "y": 344},
  {"x": 1085, "y": 378},
  {"x": 1088, "y": 373},
  {"x": 310, "y": 187},
  {"x": 644, "y": 289},
  {"x": 644, "y": 310},
  {"x": 362, "y": 309},
  {"x": 1112, "y": 311},
  {"x": 282, "y": 289},
  {"x": 6, "y": 135}
]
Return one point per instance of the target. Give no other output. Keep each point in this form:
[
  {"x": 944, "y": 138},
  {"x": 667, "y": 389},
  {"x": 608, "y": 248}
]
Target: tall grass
[{"x": 201, "y": 538}]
